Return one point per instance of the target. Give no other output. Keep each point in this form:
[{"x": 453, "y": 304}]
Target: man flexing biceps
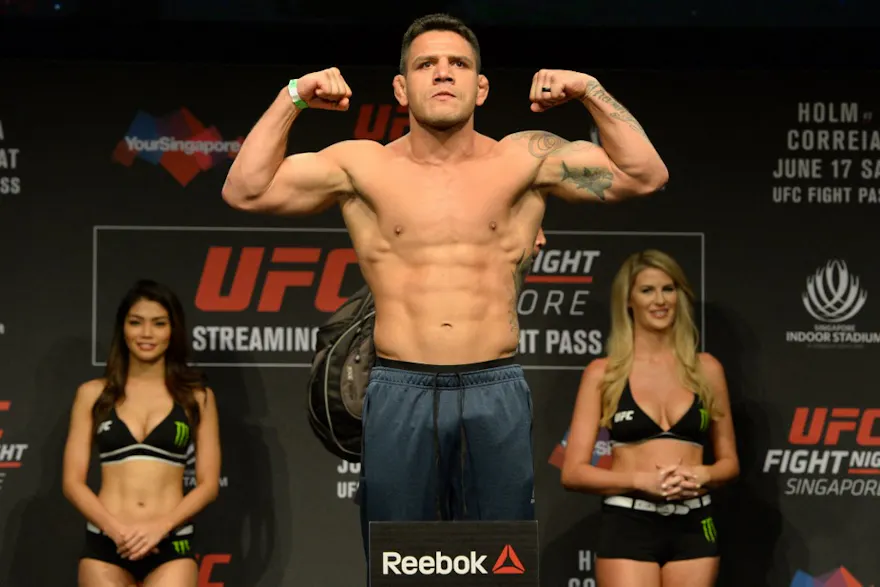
[{"x": 443, "y": 221}]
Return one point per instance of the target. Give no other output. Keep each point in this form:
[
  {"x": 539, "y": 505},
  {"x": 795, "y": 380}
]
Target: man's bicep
[
  {"x": 573, "y": 170},
  {"x": 582, "y": 171},
  {"x": 308, "y": 183}
]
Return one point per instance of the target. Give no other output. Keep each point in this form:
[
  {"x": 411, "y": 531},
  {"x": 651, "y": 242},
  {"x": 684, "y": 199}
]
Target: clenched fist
[
  {"x": 325, "y": 90},
  {"x": 552, "y": 87}
]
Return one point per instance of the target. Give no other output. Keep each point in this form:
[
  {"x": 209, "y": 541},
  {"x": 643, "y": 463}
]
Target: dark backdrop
[{"x": 81, "y": 216}]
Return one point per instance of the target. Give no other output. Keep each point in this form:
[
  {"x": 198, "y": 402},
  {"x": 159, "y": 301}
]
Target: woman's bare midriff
[
  {"x": 645, "y": 457},
  {"x": 456, "y": 309},
  {"x": 140, "y": 491}
]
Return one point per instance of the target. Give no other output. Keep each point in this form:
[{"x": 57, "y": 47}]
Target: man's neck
[{"x": 434, "y": 147}]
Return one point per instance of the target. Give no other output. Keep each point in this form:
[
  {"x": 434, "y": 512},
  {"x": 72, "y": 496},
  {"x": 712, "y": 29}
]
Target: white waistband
[
  {"x": 679, "y": 508},
  {"x": 182, "y": 531}
]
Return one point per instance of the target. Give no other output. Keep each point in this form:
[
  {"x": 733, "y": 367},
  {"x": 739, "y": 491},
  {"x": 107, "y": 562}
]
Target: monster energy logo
[
  {"x": 182, "y": 434},
  {"x": 704, "y": 420},
  {"x": 181, "y": 546},
  {"x": 709, "y": 531}
]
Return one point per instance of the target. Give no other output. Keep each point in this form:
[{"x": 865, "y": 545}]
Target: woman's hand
[
  {"x": 694, "y": 481},
  {"x": 141, "y": 539},
  {"x": 665, "y": 482},
  {"x": 119, "y": 534}
]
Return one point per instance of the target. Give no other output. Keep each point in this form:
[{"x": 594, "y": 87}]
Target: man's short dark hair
[{"x": 437, "y": 22}]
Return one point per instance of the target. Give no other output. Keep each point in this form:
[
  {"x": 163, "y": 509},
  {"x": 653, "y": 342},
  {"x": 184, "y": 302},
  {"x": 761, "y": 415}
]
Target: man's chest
[{"x": 449, "y": 199}]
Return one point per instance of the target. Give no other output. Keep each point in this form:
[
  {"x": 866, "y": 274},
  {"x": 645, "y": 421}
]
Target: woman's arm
[
  {"x": 578, "y": 474},
  {"x": 77, "y": 453},
  {"x": 726, "y": 466},
  {"x": 207, "y": 465}
]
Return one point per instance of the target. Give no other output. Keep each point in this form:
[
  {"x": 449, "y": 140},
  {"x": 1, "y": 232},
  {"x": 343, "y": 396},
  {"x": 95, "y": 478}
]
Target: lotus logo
[{"x": 833, "y": 294}]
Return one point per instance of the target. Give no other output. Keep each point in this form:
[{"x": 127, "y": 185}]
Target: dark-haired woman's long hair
[{"x": 181, "y": 380}]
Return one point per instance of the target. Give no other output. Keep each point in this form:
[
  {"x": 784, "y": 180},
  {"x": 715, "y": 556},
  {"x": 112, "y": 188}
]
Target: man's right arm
[{"x": 262, "y": 179}]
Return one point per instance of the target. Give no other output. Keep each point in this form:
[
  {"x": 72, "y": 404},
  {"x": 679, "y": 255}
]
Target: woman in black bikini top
[
  {"x": 150, "y": 417},
  {"x": 664, "y": 403}
]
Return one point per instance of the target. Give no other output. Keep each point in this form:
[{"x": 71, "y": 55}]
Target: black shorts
[
  {"x": 177, "y": 545},
  {"x": 672, "y": 532}
]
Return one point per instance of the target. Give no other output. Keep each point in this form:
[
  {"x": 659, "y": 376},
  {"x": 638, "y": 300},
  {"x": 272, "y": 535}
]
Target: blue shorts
[{"x": 448, "y": 442}]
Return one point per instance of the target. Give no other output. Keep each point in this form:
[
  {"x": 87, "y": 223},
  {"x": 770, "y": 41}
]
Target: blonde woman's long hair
[{"x": 620, "y": 340}]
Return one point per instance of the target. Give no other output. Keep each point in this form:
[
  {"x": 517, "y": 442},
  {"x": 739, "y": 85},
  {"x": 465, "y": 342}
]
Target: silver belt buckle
[{"x": 666, "y": 509}]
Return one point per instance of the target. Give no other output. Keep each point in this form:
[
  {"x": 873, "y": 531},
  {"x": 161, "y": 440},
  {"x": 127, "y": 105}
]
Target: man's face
[{"x": 441, "y": 87}]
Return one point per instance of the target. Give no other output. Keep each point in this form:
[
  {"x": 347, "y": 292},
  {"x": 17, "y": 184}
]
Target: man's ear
[
  {"x": 482, "y": 89},
  {"x": 399, "y": 85}
]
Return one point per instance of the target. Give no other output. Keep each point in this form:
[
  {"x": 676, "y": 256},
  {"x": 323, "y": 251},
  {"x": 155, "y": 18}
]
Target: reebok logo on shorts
[{"x": 709, "y": 532}]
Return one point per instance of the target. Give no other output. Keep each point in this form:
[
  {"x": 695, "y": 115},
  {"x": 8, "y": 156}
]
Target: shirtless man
[{"x": 443, "y": 221}]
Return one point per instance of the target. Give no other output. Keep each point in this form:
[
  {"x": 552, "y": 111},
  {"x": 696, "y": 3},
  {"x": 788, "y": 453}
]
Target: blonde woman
[{"x": 664, "y": 403}]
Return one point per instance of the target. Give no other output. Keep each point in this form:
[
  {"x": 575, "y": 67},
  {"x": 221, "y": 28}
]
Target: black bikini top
[
  {"x": 630, "y": 424},
  {"x": 169, "y": 442}
]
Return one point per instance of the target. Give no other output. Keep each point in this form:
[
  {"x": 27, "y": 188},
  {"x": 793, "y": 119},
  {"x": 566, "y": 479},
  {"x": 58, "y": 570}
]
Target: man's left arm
[{"x": 626, "y": 164}]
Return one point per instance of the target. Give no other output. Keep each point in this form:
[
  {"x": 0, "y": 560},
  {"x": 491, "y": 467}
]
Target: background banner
[{"x": 110, "y": 173}]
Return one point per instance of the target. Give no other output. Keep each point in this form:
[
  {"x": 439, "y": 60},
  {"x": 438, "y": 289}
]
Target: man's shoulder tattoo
[{"x": 541, "y": 143}]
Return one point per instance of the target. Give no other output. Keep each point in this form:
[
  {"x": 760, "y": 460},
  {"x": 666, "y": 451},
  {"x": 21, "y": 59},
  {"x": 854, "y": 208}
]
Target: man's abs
[
  {"x": 441, "y": 248},
  {"x": 445, "y": 314}
]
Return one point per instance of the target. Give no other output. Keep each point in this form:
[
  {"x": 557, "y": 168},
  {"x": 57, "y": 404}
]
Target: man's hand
[
  {"x": 325, "y": 90},
  {"x": 552, "y": 87}
]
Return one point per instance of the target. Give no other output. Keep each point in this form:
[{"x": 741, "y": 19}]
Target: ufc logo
[
  {"x": 626, "y": 415},
  {"x": 206, "y": 567},
  {"x": 209, "y": 296},
  {"x": 827, "y": 430},
  {"x": 382, "y": 126}
]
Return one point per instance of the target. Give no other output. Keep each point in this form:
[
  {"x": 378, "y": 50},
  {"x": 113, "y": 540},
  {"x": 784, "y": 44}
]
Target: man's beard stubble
[{"x": 448, "y": 123}]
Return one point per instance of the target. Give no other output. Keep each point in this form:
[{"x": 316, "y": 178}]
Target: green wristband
[{"x": 294, "y": 95}]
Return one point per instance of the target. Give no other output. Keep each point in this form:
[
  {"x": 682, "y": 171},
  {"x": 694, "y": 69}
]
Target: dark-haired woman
[{"x": 149, "y": 416}]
